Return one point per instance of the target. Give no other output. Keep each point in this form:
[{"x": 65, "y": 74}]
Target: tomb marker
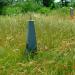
[
  {"x": 31, "y": 44},
  {"x": 71, "y": 12}
]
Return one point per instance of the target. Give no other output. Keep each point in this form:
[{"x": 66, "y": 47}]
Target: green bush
[
  {"x": 44, "y": 10},
  {"x": 9, "y": 10},
  {"x": 30, "y": 6}
]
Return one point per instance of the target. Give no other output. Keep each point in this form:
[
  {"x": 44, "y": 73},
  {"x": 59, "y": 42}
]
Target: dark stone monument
[
  {"x": 31, "y": 45},
  {"x": 71, "y": 12}
]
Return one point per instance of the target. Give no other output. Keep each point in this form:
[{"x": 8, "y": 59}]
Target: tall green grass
[{"x": 55, "y": 44}]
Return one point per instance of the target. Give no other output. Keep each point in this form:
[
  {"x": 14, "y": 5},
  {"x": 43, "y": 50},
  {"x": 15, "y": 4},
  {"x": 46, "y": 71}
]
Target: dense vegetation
[{"x": 22, "y": 6}]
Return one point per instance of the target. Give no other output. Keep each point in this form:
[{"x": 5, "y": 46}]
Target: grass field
[{"x": 55, "y": 44}]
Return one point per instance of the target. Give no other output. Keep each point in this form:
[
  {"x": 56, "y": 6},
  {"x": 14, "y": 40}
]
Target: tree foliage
[
  {"x": 65, "y": 2},
  {"x": 2, "y": 4},
  {"x": 32, "y": 5},
  {"x": 48, "y": 3}
]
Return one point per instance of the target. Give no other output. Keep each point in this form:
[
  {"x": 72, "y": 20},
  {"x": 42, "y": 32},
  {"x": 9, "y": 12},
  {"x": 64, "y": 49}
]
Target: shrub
[
  {"x": 9, "y": 10},
  {"x": 44, "y": 10},
  {"x": 30, "y": 6}
]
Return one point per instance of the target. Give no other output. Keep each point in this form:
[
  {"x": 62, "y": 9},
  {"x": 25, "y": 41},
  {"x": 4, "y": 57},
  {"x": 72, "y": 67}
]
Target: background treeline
[{"x": 22, "y": 6}]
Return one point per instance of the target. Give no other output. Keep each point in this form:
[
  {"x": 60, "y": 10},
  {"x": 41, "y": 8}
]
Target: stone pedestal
[{"x": 71, "y": 12}]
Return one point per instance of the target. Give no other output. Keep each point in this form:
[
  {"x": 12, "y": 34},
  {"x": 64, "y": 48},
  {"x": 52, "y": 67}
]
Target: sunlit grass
[{"x": 55, "y": 44}]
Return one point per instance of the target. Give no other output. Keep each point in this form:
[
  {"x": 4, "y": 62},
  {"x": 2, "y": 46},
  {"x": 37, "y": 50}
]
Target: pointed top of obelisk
[{"x": 31, "y": 17}]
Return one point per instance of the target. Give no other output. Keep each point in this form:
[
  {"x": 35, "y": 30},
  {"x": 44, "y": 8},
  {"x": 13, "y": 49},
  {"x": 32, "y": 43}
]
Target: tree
[
  {"x": 2, "y": 4},
  {"x": 73, "y": 3},
  {"x": 48, "y": 3},
  {"x": 65, "y": 2},
  {"x": 62, "y": 2},
  {"x": 38, "y": 1}
]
